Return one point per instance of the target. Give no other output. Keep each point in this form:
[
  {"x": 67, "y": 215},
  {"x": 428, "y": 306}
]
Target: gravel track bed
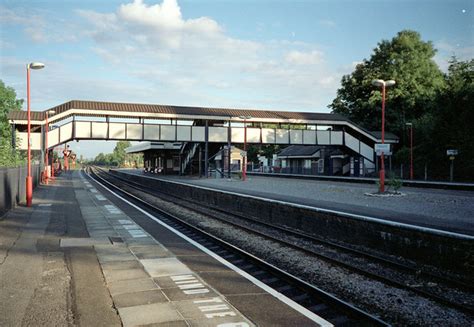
[{"x": 396, "y": 306}]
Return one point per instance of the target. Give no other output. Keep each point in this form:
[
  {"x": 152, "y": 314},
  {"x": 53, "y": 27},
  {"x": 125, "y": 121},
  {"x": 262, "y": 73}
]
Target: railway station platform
[
  {"x": 446, "y": 210},
  {"x": 82, "y": 256}
]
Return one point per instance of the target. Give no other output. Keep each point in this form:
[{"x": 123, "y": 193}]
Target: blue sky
[{"x": 285, "y": 55}]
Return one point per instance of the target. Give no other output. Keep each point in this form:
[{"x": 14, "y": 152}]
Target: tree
[
  {"x": 406, "y": 59},
  {"x": 118, "y": 155},
  {"x": 452, "y": 121},
  {"x": 8, "y": 103}
]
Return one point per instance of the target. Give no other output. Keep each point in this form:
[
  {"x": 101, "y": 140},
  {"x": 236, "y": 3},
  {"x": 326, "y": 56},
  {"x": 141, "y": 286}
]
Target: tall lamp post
[
  {"x": 244, "y": 159},
  {"x": 46, "y": 157},
  {"x": 29, "y": 181},
  {"x": 383, "y": 84},
  {"x": 410, "y": 125}
]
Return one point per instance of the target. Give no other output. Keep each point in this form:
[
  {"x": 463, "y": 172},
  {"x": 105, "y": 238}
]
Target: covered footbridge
[{"x": 191, "y": 126}]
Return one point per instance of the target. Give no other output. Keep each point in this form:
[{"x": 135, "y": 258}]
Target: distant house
[
  {"x": 318, "y": 160},
  {"x": 221, "y": 159}
]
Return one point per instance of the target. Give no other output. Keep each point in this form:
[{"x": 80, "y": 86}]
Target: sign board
[
  {"x": 452, "y": 152},
  {"x": 383, "y": 147},
  {"x": 452, "y": 158},
  {"x": 243, "y": 153}
]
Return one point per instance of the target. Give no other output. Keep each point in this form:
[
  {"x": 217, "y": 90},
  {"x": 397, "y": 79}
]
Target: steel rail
[
  {"x": 360, "y": 317},
  {"x": 415, "y": 271}
]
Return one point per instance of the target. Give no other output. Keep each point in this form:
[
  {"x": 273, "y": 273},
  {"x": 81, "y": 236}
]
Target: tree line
[
  {"x": 118, "y": 158},
  {"x": 439, "y": 105}
]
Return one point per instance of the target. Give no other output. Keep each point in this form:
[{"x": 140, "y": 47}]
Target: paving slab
[
  {"x": 71, "y": 242},
  {"x": 130, "y": 286},
  {"x": 103, "y": 258},
  {"x": 229, "y": 283},
  {"x": 124, "y": 274},
  {"x": 210, "y": 311},
  {"x": 139, "y": 298},
  {"x": 121, "y": 265},
  {"x": 164, "y": 267},
  {"x": 200, "y": 263},
  {"x": 150, "y": 252},
  {"x": 148, "y": 314}
]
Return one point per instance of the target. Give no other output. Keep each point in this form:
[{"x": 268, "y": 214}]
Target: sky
[{"x": 280, "y": 55}]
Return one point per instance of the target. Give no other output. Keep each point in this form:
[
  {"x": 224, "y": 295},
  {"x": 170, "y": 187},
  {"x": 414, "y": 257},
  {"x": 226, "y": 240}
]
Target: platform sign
[
  {"x": 382, "y": 147},
  {"x": 451, "y": 152}
]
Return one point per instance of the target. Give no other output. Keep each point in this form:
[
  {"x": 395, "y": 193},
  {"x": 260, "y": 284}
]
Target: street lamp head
[
  {"x": 36, "y": 65},
  {"x": 381, "y": 82},
  {"x": 378, "y": 82},
  {"x": 245, "y": 117},
  {"x": 408, "y": 124}
]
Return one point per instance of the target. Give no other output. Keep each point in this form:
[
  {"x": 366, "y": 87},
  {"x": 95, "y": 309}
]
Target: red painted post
[
  {"x": 244, "y": 159},
  {"x": 382, "y": 166},
  {"x": 411, "y": 152},
  {"x": 46, "y": 164},
  {"x": 29, "y": 181}
]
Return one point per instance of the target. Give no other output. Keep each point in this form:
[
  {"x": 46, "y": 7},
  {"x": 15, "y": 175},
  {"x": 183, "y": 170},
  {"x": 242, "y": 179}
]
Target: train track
[
  {"x": 443, "y": 290},
  {"x": 318, "y": 301}
]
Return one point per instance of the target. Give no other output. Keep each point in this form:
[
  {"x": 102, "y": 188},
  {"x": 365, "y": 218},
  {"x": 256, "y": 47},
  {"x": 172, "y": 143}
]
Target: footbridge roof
[{"x": 101, "y": 109}]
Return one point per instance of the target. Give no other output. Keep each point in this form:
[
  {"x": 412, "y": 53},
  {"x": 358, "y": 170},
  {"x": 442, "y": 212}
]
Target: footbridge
[{"x": 92, "y": 120}]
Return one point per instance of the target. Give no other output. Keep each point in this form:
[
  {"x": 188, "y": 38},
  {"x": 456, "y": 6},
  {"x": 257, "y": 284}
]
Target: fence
[{"x": 13, "y": 186}]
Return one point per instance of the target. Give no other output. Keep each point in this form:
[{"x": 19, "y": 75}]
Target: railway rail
[
  {"x": 314, "y": 299},
  {"x": 430, "y": 284}
]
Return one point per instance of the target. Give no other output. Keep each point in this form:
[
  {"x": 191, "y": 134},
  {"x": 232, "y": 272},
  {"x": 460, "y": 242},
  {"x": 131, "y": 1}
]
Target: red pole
[
  {"x": 29, "y": 181},
  {"x": 382, "y": 166},
  {"x": 46, "y": 155},
  {"x": 411, "y": 151},
  {"x": 66, "y": 160},
  {"x": 244, "y": 159}
]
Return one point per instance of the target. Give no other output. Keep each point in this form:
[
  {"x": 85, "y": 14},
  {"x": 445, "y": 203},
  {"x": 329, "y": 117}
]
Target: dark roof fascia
[{"x": 134, "y": 108}]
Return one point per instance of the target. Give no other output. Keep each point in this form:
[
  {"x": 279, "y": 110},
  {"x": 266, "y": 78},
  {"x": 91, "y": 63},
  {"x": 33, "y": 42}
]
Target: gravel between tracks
[{"x": 397, "y": 306}]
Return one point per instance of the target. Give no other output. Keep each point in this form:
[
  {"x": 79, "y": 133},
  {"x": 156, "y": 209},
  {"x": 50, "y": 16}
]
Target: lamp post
[
  {"x": 410, "y": 125},
  {"x": 383, "y": 84},
  {"x": 46, "y": 157},
  {"x": 244, "y": 159},
  {"x": 29, "y": 181}
]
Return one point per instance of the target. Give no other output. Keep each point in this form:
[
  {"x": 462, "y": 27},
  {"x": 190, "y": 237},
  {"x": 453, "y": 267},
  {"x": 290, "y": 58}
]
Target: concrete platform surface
[
  {"x": 449, "y": 210},
  {"x": 81, "y": 256}
]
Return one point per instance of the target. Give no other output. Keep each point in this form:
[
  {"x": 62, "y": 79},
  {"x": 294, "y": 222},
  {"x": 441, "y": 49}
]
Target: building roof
[
  {"x": 388, "y": 135},
  {"x": 299, "y": 151},
  {"x": 147, "y": 145}
]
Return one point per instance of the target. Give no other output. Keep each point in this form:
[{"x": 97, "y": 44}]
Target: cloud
[
  {"x": 37, "y": 27},
  {"x": 446, "y": 50},
  {"x": 304, "y": 58},
  {"x": 327, "y": 23},
  {"x": 157, "y": 55}
]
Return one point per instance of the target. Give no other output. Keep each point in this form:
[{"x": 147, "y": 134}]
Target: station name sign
[
  {"x": 452, "y": 152},
  {"x": 383, "y": 147}
]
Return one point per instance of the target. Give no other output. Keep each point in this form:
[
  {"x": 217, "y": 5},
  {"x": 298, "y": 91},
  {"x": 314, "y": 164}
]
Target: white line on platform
[
  {"x": 310, "y": 315},
  {"x": 112, "y": 209},
  {"x": 44, "y": 205},
  {"x": 100, "y": 197}
]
